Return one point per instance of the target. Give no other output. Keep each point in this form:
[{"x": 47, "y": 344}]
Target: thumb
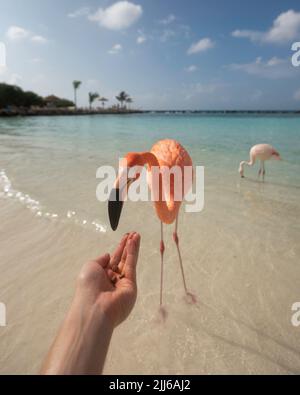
[
  {"x": 103, "y": 260},
  {"x": 133, "y": 247}
]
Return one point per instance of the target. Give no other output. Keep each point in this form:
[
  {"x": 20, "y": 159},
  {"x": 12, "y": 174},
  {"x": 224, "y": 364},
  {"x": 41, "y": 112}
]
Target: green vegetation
[
  {"x": 129, "y": 101},
  {"x": 122, "y": 98},
  {"x": 103, "y": 100},
  {"x": 92, "y": 97},
  {"x": 11, "y": 95},
  {"x": 15, "y": 101},
  {"x": 56, "y": 102},
  {"x": 76, "y": 86},
  {"x": 14, "y": 96}
]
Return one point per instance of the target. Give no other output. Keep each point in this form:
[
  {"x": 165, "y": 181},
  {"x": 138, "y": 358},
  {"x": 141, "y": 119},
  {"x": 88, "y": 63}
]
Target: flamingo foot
[{"x": 190, "y": 298}]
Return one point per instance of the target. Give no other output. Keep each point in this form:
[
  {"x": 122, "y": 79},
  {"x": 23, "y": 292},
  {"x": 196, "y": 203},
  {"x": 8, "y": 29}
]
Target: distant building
[{"x": 53, "y": 101}]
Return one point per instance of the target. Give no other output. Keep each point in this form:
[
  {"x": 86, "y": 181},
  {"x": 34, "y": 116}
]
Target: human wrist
[
  {"x": 90, "y": 314},
  {"x": 82, "y": 343}
]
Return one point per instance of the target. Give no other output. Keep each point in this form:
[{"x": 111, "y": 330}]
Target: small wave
[{"x": 8, "y": 192}]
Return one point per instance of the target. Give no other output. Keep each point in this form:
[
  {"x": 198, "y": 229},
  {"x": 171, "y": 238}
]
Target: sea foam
[{"x": 8, "y": 192}]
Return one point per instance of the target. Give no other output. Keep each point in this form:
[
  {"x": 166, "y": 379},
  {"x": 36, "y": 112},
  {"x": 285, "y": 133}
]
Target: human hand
[{"x": 108, "y": 283}]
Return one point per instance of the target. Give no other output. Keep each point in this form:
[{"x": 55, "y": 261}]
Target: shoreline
[
  {"x": 4, "y": 113},
  {"x": 61, "y": 112}
]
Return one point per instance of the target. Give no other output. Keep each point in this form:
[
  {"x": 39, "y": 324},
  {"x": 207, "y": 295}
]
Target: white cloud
[
  {"x": 191, "y": 69},
  {"x": 80, "y": 12},
  {"x": 141, "y": 39},
  {"x": 167, "y": 34},
  {"x": 16, "y": 33},
  {"x": 39, "y": 39},
  {"x": 117, "y": 48},
  {"x": 251, "y": 34},
  {"x": 275, "y": 61},
  {"x": 274, "y": 68},
  {"x": 176, "y": 31},
  {"x": 285, "y": 28},
  {"x": 297, "y": 95},
  {"x": 169, "y": 19},
  {"x": 201, "y": 46},
  {"x": 118, "y": 16}
]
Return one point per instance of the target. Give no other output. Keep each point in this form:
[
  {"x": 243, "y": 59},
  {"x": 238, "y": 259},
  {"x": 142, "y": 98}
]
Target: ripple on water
[{"x": 8, "y": 192}]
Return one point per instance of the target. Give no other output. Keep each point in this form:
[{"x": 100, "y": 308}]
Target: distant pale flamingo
[
  {"x": 165, "y": 153},
  {"x": 260, "y": 152}
]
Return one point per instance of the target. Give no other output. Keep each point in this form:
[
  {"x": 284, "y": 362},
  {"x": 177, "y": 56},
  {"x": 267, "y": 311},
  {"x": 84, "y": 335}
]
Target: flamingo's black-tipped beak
[
  {"x": 116, "y": 203},
  {"x": 115, "y": 206}
]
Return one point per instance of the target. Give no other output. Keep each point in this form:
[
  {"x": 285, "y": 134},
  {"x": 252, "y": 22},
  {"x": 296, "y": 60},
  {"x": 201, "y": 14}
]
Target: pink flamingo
[
  {"x": 165, "y": 153},
  {"x": 260, "y": 152}
]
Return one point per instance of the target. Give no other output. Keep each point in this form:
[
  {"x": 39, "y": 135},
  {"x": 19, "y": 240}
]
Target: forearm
[{"x": 82, "y": 343}]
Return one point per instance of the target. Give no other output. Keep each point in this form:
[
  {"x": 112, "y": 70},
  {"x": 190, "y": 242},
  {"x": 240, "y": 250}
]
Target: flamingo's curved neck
[
  {"x": 166, "y": 212},
  {"x": 149, "y": 159},
  {"x": 250, "y": 163}
]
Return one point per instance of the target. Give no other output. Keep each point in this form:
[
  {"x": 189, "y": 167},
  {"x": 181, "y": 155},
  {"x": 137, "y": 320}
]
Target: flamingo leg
[
  {"x": 263, "y": 170},
  {"x": 162, "y": 252},
  {"x": 176, "y": 240},
  {"x": 260, "y": 169}
]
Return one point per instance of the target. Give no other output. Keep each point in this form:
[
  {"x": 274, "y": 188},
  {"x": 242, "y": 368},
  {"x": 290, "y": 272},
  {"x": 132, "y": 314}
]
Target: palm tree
[
  {"x": 129, "y": 101},
  {"x": 92, "y": 97},
  {"x": 123, "y": 96},
  {"x": 76, "y": 85},
  {"x": 103, "y": 100}
]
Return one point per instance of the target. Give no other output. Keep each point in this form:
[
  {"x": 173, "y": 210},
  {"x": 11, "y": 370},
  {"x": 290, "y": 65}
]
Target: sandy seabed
[{"x": 242, "y": 261}]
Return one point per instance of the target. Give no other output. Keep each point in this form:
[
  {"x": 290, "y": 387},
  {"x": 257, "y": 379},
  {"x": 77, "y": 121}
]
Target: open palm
[{"x": 109, "y": 282}]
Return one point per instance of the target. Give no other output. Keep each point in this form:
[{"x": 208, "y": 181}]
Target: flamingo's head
[
  {"x": 276, "y": 155},
  {"x": 128, "y": 174},
  {"x": 241, "y": 170}
]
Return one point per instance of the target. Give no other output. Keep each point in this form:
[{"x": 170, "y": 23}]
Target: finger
[
  {"x": 116, "y": 257},
  {"x": 103, "y": 260},
  {"x": 111, "y": 275},
  {"x": 133, "y": 248},
  {"x": 124, "y": 256}
]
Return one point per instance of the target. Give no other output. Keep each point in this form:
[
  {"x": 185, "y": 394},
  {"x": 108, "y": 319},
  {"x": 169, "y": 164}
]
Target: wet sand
[{"x": 245, "y": 280}]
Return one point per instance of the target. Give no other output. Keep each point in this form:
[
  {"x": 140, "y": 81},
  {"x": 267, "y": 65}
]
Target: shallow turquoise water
[
  {"x": 219, "y": 138},
  {"x": 241, "y": 253},
  {"x": 54, "y": 159}
]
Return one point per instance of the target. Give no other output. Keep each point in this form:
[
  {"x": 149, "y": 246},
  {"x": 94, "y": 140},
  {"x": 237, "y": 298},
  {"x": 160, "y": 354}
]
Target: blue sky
[{"x": 168, "y": 54}]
